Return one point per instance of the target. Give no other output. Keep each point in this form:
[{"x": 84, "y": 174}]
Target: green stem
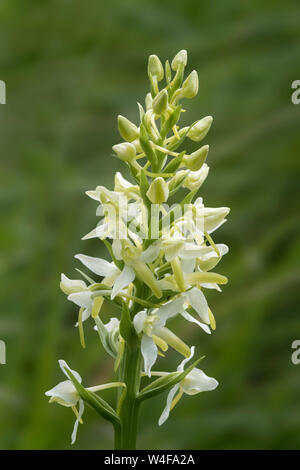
[{"x": 130, "y": 373}]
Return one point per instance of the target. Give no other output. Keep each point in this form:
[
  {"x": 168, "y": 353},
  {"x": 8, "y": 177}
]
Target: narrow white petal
[
  {"x": 169, "y": 310},
  {"x": 82, "y": 299},
  {"x": 139, "y": 321},
  {"x": 151, "y": 253},
  {"x": 149, "y": 353},
  {"x": 98, "y": 265},
  {"x": 188, "y": 265},
  {"x": 165, "y": 414},
  {"x": 123, "y": 280},
  {"x": 63, "y": 365},
  {"x": 211, "y": 285},
  {"x": 191, "y": 319},
  {"x": 198, "y": 301},
  {"x": 80, "y": 413},
  {"x": 180, "y": 368}
]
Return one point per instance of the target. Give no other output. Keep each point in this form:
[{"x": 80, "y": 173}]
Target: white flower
[
  {"x": 113, "y": 277},
  {"x": 66, "y": 394},
  {"x": 156, "y": 335},
  {"x": 195, "y": 179},
  {"x": 194, "y": 382}
]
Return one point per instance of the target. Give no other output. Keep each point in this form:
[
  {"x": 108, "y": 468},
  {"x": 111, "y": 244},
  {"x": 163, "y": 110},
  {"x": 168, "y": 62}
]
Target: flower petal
[
  {"x": 64, "y": 394},
  {"x": 80, "y": 413},
  {"x": 169, "y": 310},
  {"x": 180, "y": 368},
  {"x": 82, "y": 299},
  {"x": 149, "y": 353},
  {"x": 63, "y": 365},
  {"x": 165, "y": 414},
  {"x": 197, "y": 381},
  {"x": 98, "y": 265},
  {"x": 151, "y": 253},
  {"x": 198, "y": 301},
  {"x": 191, "y": 319},
  {"x": 139, "y": 321},
  {"x": 123, "y": 280}
]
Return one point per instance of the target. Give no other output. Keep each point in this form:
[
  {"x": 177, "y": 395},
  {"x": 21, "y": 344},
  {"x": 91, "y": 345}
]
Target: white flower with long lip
[
  {"x": 156, "y": 335},
  {"x": 112, "y": 275},
  {"x": 194, "y": 382},
  {"x": 65, "y": 394},
  {"x": 214, "y": 217}
]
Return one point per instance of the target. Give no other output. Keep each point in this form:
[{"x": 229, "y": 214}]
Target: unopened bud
[
  {"x": 214, "y": 217},
  {"x": 160, "y": 102},
  {"x": 200, "y": 129},
  {"x": 179, "y": 59},
  {"x": 190, "y": 86},
  {"x": 158, "y": 191},
  {"x": 155, "y": 68},
  {"x": 125, "y": 151},
  {"x": 127, "y": 129},
  {"x": 195, "y": 160},
  {"x": 148, "y": 101}
]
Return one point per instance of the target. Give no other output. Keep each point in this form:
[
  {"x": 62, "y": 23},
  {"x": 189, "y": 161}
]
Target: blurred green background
[{"x": 70, "y": 68}]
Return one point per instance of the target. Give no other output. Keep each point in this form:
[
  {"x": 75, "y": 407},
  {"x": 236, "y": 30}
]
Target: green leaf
[
  {"x": 146, "y": 146},
  {"x": 127, "y": 330},
  {"x": 99, "y": 405},
  {"x": 163, "y": 383},
  {"x": 144, "y": 186},
  {"x": 170, "y": 122}
]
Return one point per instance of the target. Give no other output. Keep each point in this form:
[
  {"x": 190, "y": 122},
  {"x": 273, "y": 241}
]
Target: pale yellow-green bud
[
  {"x": 125, "y": 151},
  {"x": 196, "y": 178},
  {"x": 160, "y": 102},
  {"x": 200, "y": 129},
  {"x": 155, "y": 68},
  {"x": 190, "y": 86},
  {"x": 158, "y": 191},
  {"x": 148, "y": 101},
  {"x": 195, "y": 160},
  {"x": 127, "y": 129},
  {"x": 179, "y": 59}
]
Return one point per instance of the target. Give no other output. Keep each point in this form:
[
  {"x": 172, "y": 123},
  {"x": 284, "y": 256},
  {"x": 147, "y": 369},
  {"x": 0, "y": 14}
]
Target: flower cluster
[{"x": 162, "y": 256}]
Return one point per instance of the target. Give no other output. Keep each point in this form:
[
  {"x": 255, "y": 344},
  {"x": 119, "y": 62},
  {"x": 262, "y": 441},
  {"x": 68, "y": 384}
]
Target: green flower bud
[
  {"x": 158, "y": 191},
  {"x": 125, "y": 151},
  {"x": 195, "y": 160},
  {"x": 148, "y": 101},
  {"x": 160, "y": 102},
  {"x": 190, "y": 86},
  {"x": 168, "y": 71},
  {"x": 200, "y": 129},
  {"x": 155, "y": 68},
  {"x": 127, "y": 129},
  {"x": 179, "y": 59}
]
